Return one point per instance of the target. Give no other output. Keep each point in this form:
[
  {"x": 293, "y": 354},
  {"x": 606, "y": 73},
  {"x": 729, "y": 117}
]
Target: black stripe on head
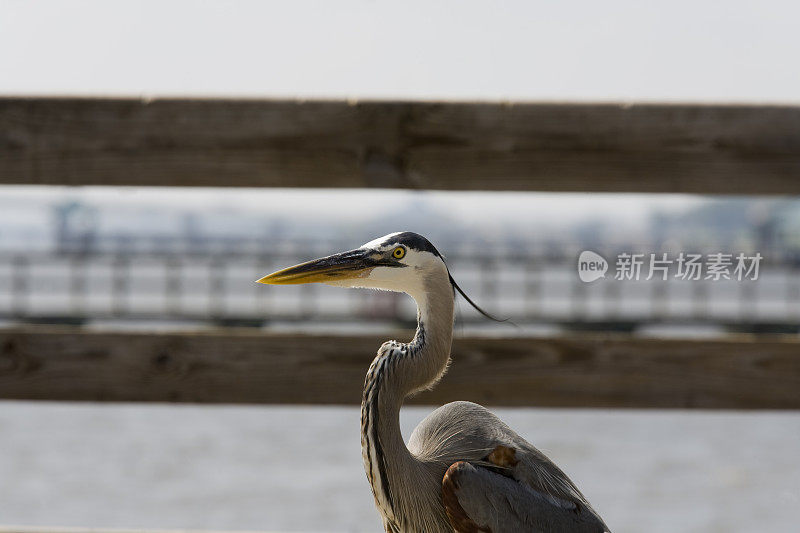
[
  {"x": 414, "y": 241},
  {"x": 417, "y": 242}
]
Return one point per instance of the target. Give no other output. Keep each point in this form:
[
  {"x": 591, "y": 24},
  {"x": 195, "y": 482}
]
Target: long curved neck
[{"x": 399, "y": 370}]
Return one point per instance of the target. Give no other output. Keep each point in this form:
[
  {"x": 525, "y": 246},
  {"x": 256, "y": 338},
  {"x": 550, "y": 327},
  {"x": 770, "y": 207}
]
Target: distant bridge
[{"x": 219, "y": 289}]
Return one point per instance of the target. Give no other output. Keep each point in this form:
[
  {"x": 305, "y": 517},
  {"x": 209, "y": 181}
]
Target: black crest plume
[{"x": 473, "y": 304}]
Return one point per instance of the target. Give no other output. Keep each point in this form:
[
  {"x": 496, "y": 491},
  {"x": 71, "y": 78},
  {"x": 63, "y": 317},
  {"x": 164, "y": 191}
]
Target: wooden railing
[
  {"x": 241, "y": 366},
  {"x": 715, "y": 149},
  {"x": 516, "y": 147}
]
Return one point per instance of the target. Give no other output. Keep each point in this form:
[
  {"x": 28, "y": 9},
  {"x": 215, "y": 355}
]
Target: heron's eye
[{"x": 399, "y": 252}]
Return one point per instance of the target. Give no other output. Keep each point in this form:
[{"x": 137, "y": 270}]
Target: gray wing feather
[
  {"x": 496, "y": 503},
  {"x": 464, "y": 431}
]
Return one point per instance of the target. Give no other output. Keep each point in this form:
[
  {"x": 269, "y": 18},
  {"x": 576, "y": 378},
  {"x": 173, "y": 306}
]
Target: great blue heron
[{"x": 464, "y": 470}]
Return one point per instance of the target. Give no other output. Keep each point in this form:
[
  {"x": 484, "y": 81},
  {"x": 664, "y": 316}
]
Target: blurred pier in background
[
  {"x": 735, "y": 341},
  {"x": 531, "y": 287},
  {"x": 110, "y": 281}
]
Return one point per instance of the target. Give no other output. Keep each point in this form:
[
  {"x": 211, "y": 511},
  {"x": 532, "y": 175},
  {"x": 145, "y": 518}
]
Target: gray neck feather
[{"x": 399, "y": 370}]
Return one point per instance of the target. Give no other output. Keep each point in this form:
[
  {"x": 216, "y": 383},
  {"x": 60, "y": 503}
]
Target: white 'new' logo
[{"x": 591, "y": 266}]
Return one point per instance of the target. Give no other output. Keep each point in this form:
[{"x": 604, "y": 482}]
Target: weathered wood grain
[
  {"x": 423, "y": 145},
  {"x": 250, "y": 367}
]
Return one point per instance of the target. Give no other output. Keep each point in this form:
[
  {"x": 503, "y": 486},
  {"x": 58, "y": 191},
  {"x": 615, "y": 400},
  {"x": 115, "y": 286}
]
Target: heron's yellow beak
[{"x": 347, "y": 265}]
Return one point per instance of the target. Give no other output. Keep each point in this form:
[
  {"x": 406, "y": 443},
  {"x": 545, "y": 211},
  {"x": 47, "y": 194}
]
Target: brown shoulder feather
[{"x": 459, "y": 519}]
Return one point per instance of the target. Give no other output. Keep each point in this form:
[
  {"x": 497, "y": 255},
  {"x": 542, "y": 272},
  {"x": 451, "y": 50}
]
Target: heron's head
[{"x": 400, "y": 262}]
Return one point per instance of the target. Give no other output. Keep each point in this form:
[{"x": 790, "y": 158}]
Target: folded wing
[{"x": 480, "y": 498}]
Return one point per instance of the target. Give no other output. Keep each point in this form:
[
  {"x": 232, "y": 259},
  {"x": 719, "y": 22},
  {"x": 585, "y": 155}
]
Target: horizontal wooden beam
[
  {"x": 240, "y": 366},
  {"x": 718, "y": 149}
]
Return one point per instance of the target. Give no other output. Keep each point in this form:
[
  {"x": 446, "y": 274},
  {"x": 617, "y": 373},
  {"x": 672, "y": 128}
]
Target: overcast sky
[
  {"x": 567, "y": 50},
  {"x": 525, "y": 209}
]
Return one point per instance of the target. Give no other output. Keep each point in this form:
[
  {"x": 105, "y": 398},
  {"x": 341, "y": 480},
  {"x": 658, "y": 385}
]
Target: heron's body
[{"x": 463, "y": 470}]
